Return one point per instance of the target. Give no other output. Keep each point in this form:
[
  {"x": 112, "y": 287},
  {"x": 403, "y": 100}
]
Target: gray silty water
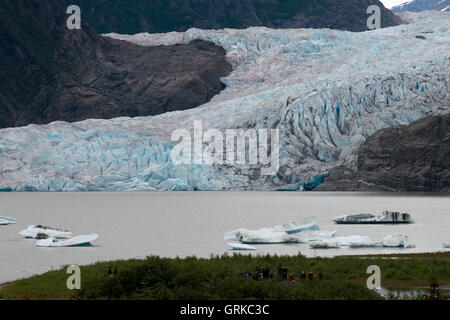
[{"x": 135, "y": 225}]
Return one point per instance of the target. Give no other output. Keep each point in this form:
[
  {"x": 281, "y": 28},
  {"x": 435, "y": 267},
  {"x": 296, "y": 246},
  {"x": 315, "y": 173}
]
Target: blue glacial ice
[{"x": 325, "y": 91}]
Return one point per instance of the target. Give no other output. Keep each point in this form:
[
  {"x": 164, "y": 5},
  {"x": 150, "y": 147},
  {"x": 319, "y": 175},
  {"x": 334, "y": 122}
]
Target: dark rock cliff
[
  {"x": 49, "y": 73},
  {"x": 403, "y": 158},
  {"x": 134, "y": 16}
]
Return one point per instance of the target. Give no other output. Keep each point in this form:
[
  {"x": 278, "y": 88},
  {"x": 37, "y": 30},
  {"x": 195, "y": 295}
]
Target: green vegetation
[{"x": 224, "y": 278}]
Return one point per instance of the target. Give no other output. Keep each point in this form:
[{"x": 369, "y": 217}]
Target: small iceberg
[
  {"x": 337, "y": 242},
  {"x": 270, "y": 237},
  {"x": 366, "y": 218},
  {"x": 78, "y": 241},
  {"x": 43, "y": 232},
  {"x": 6, "y": 220},
  {"x": 310, "y": 236},
  {"x": 240, "y": 246},
  {"x": 276, "y": 232},
  {"x": 395, "y": 240},
  {"x": 267, "y": 237}
]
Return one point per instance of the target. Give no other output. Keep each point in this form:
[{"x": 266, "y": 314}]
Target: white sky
[{"x": 392, "y": 3}]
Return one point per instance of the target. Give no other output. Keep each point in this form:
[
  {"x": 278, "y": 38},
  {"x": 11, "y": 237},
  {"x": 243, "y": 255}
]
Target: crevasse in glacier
[{"x": 324, "y": 90}]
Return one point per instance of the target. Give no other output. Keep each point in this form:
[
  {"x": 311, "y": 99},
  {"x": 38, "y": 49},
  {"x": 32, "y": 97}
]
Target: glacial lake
[{"x": 138, "y": 224}]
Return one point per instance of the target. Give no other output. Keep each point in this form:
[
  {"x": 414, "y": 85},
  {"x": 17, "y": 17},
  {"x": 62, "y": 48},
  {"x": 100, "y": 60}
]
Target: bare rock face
[
  {"x": 157, "y": 16},
  {"x": 404, "y": 158},
  {"x": 50, "y": 73}
]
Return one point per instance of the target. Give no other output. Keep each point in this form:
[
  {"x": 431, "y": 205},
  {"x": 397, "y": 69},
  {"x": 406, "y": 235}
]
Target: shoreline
[{"x": 412, "y": 280}]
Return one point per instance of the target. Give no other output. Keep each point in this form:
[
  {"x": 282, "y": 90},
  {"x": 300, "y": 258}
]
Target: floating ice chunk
[
  {"x": 240, "y": 246},
  {"x": 84, "y": 240},
  {"x": 297, "y": 226},
  {"x": 366, "y": 218},
  {"x": 348, "y": 241},
  {"x": 268, "y": 237},
  {"x": 39, "y": 231},
  {"x": 6, "y": 220},
  {"x": 316, "y": 236},
  {"x": 289, "y": 228},
  {"x": 324, "y": 244},
  {"x": 395, "y": 240}
]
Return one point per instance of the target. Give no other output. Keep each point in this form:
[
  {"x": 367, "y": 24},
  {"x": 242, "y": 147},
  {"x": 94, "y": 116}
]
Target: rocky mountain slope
[
  {"x": 50, "y": 73},
  {"x": 154, "y": 16},
  {"x": 326, "y": 92},
  {"x": 422, "y": 5},
  {"x": 401, "y": 158}
]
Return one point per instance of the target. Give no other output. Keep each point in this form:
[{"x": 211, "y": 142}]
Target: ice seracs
[
  {"x": 78, "y": 241},
  {"x": 6, "y": 220},
  {"x": 44, "y": 232},
  {"x": 366, "y": 218},
  {"x": 325, "y": 91}
]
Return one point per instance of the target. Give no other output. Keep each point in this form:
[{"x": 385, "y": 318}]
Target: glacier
[{"x": 325, "y": 91}]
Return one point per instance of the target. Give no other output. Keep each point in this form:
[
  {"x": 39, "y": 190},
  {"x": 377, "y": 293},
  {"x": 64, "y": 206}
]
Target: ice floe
[
  {"x": 6, "y": 220},
  {"x": 277, "y": 234},
  {"x": 366, "y": 218},
  {"x": 397, "y": 240},
  {"x": 43, "y": 232},
  {"x": 337, "y": 242},
  {"x": 77, "y": 241},
  {"x": 240, "y": 246}
]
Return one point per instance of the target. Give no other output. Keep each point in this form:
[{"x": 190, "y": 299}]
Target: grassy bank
[{"x": 224, "y": 278}]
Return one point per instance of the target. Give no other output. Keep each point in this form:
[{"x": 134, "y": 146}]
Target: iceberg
[
  {"x": 276, "y": 233},
  {"x": 267, "y": 237},
  {"x": 297, "y": 226},
  {"x": 325, "y": 91},
  {"x": 366, "y": 218},
  {"x": 337, "y": 242},
  {"x": 43, "y": 232},
  {"x": 395, "y": 240},
  {"x": 78, "y": 241},
  {"x": 6, "y": 220},
  {"x": 240, "y": 246},
  {"x": 310, "y": 236}
]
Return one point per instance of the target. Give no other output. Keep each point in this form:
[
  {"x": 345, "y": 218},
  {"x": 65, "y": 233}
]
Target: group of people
[
  {"x": 304, "y": 276},
  {"x": 282, "y": 272},
  {"x": 260, "y": 274}
]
